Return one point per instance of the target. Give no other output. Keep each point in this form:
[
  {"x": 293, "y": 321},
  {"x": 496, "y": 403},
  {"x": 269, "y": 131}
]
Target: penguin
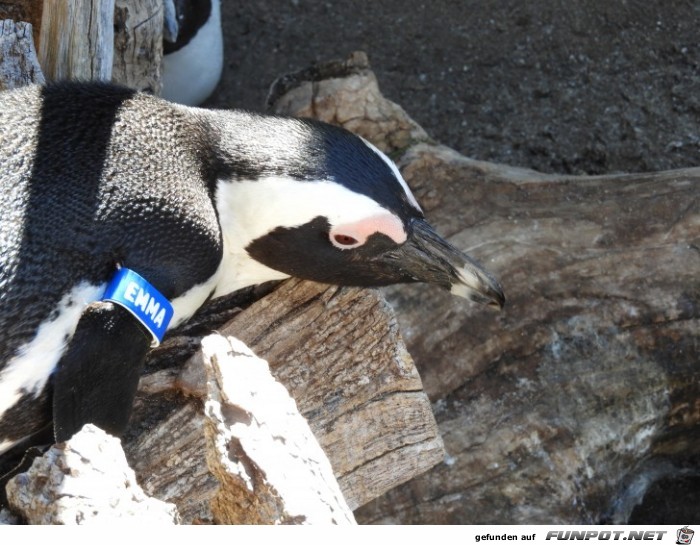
[
  {"x": 193, "y": 50},
  {"x": 177, "y": 205}
]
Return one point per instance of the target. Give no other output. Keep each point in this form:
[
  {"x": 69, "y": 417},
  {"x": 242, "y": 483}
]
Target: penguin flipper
[{"x": 96, "y": 380}]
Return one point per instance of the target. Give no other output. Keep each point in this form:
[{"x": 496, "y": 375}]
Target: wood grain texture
[
  {"x": 77, "y": 40},
  {"x": 170, "y": 463},
  {"x": 138, "y": 44},
  {"x": 584, "y": 390},
  {"x": 246, "y": 456},
  {"x": 260, "y": 447},
  {"x": 339, "y": 354}
]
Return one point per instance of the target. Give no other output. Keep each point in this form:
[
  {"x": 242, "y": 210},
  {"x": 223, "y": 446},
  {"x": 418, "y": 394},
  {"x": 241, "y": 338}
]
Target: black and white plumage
[
  {"x": 198, "y": 202},
  {"x": 193, "y": 50}
]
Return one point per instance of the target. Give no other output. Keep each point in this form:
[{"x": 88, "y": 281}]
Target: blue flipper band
[{"x": 146, "y": 303}]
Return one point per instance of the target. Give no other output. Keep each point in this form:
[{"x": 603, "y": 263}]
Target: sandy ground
[{"x": 592, "y": 86}]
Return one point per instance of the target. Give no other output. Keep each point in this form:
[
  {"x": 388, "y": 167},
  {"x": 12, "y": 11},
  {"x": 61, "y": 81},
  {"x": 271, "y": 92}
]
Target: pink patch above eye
[{"x": 352, "y": 235}]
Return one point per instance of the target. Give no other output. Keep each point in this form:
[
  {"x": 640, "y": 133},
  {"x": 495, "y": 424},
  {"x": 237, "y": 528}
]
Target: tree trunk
[{"x": 77, "y": 40}]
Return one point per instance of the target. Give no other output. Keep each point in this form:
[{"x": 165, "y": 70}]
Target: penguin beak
[{"x": 427, "y": 257}]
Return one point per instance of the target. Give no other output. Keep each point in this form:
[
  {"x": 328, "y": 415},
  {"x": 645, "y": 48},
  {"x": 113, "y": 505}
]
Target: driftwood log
[
  {"x": 263, "y": 444},
  {"x": 339, "y": 354},
  {"x": 584, "y": 390}
]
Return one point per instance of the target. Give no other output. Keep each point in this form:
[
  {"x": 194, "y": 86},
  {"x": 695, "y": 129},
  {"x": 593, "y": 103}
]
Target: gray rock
[{"x": 85, "y": 480}]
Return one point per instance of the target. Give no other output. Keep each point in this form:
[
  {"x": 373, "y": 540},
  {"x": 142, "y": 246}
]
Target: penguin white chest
[{"x": 28, "y": 371}]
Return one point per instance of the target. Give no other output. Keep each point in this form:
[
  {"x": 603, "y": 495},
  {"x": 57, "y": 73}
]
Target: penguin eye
[{"x": 345, "y": 240}]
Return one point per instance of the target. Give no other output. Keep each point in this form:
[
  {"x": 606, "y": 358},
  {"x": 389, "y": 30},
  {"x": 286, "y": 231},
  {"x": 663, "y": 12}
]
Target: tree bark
[
  {"x": 138, "y": 44},
  {"x": 248, "y": 458},
  {"x": 585, "y": 387},
  {"x": 77, "y": 40},
  {"x": 18, "y": 62},
  {"x": 340, "y": 353}
]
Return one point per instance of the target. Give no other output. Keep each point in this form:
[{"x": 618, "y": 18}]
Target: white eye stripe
[
  {"x": 250, "y": 209},
  {"x": 409, "y": 194}
]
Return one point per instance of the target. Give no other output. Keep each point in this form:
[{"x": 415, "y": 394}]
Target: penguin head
[{"x": 317, "y": 202}]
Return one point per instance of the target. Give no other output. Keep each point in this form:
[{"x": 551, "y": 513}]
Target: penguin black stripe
[
  {"x": 309, "y": 150},
  {"x": 198, "y": 202},
  {"x": 79, "y": 198}
]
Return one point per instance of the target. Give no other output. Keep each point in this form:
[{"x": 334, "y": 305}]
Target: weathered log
[
  {"x": 598, "y": 342},
  {"x": 346, "y": 93},
  {"x": 138, "y": 44},
  {"x": 77, "y": 39},
  {"x": 18, "y": 62},
  {"x": 557, "y": 409},
  {"x": 339, "y": 353},
  {"x": 85, "y": 480},
  {"x": 248, "y": 458}
]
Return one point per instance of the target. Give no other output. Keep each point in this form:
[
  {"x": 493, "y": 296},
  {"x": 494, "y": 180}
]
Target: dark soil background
[{"x": 587, "y": 87}]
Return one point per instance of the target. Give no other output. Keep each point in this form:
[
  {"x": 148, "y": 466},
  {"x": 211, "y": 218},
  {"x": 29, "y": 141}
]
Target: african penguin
[
  {"x": 99, "y": 181},
  {"x": 193, "y": 50}
]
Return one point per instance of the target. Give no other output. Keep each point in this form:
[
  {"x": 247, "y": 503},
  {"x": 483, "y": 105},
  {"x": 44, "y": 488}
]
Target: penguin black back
[
  {"x": 75, "y": 199},
  {"x": 96, "y": 179},
  {"x": 92, "y": 180}
]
